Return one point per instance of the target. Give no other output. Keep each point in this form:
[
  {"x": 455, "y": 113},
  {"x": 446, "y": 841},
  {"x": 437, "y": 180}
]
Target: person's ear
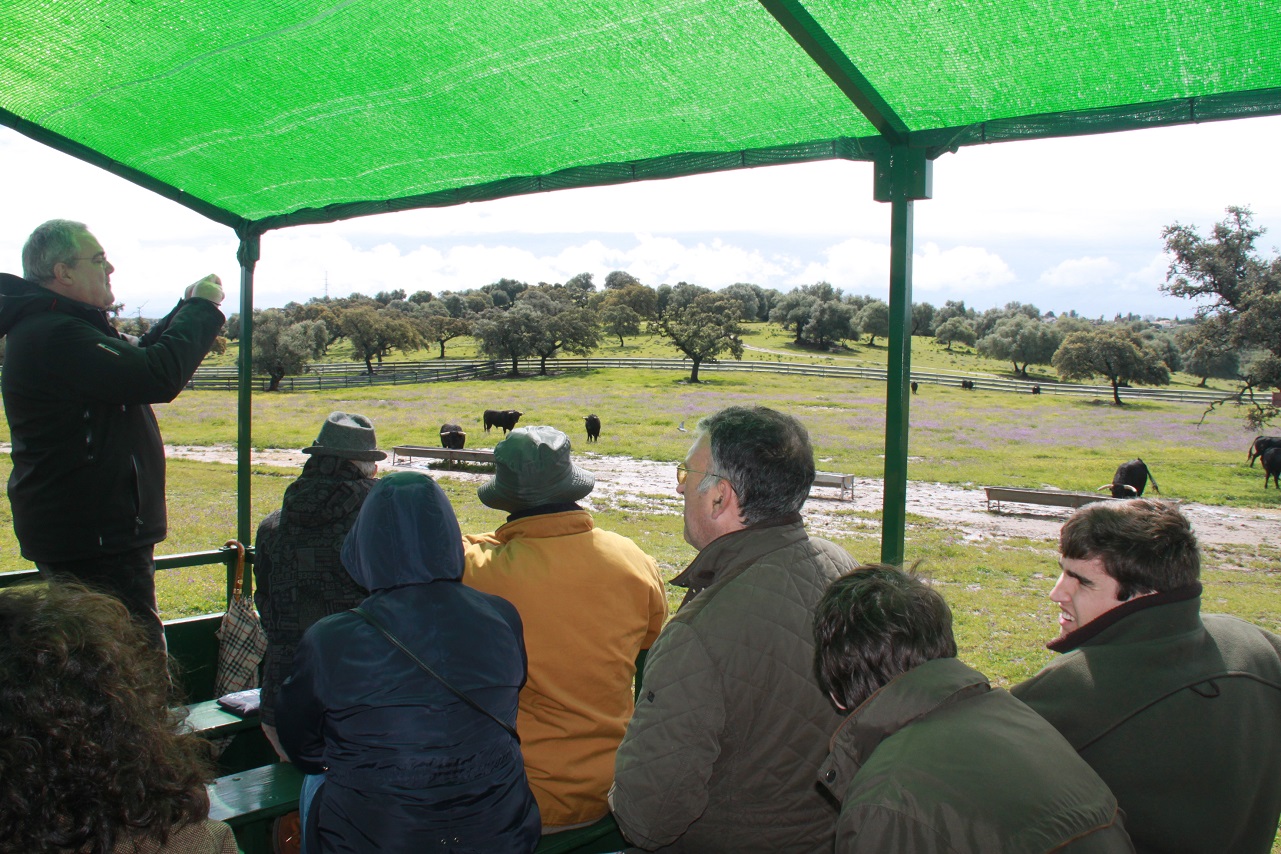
[{"x": 726, "y": 499}]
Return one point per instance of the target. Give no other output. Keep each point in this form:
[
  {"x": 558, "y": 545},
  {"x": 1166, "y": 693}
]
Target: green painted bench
[{"x": 250, "y": 801}]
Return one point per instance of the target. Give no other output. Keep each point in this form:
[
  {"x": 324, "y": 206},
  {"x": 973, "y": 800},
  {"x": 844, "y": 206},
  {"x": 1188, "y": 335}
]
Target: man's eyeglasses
[
  {"x": 683, "y": 471},
  {"x": 100, "y": 259}
]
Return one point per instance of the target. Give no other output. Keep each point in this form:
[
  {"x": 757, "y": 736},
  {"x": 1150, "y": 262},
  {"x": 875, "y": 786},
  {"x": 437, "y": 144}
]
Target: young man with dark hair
[
  {"x": 1179, "y": 712},
  {"x": 931, "y": 757}
]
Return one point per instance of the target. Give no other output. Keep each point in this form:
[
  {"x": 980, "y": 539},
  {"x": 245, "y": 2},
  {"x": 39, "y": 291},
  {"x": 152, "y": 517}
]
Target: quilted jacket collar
[{"x": 727, "y": 556}]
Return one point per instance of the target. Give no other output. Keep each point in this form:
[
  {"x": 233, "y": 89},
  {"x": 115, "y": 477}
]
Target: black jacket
[{"x": 88, "y": 461}]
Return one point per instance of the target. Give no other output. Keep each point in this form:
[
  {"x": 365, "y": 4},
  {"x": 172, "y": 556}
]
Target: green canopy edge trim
[
  {"x": 1259, "y": 102},
  {"x": 815, "y": 41},
  {"x": 142, "y": 179}
]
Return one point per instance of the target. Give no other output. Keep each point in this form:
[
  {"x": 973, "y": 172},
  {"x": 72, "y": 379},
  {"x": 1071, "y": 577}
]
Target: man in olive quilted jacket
[{"x": 731, "y": 727}]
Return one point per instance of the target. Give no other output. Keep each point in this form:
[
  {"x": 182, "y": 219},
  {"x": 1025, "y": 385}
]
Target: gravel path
[{"x": 625, "y": 480}]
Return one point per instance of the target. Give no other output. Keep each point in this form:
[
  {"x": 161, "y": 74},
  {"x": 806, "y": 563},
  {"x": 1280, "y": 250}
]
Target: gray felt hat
[
  {"x": 532, "y": 468},
  {"x": 348, "y": 436}
]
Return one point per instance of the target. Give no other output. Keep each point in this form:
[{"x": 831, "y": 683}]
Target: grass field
[{"x": 998, "y": 589}]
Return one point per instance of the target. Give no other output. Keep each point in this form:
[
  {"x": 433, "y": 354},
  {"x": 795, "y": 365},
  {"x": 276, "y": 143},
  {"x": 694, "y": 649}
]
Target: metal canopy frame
[{"x": 903, "y": 161}]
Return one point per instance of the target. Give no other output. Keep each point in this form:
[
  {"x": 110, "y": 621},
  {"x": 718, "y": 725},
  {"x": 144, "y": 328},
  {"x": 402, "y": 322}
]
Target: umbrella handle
[{"x": 240, "y": 566}]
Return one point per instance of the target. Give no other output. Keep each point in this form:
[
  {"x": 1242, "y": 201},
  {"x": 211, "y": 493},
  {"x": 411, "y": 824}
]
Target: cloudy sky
[{"x": 1064, "y": 224}]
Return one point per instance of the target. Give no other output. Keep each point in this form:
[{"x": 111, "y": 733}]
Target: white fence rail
[{"x": 348, "y": 374}]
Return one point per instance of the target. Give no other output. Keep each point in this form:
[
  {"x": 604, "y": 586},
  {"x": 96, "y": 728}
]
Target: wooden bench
[
  {"x": 467, "y": 455},
  {"x": 1047, "y": 497},
  {"x": 251, "y": 800},
  {"x": 844, "y": 482},
  {"x": 213, "y": 721}
]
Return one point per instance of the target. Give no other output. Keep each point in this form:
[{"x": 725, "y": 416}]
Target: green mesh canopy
[{"x": 274, "y": 112}]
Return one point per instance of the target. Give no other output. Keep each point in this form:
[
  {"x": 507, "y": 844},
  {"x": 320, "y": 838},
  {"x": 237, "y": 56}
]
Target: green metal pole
[
  {"x": 247, "y": 255},
  {"x": 902, "y": 175}
]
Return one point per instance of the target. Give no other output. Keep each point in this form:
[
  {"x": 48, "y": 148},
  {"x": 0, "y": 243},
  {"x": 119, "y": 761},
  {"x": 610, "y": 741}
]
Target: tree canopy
[
  {"x": 1240, "y": 295},
  {"x": 1022, "y": 341},
  {"x": 1112, "y": 352},
  {"x": 702, "y": 324}
]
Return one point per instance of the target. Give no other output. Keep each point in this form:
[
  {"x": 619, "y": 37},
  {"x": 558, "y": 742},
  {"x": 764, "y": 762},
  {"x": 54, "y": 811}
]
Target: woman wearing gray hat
[{"x": 298, "y": 575}]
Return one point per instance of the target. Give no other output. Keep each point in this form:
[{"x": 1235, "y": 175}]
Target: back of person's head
[
  {"x": 874, "y": 625},
  {"x": 53, "y": 242},
  {"x": 765, "y": 455},
  {"x": 1147, "y": 546},
  {"x": 406, "y": 534},
  {"x": 89, "y": 748}
]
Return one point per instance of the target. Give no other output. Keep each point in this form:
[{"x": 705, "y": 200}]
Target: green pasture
[
  {"x": 997, "y": 588},
  {"x": 959, "y": 437}
]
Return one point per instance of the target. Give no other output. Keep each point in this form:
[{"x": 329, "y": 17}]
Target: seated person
[
  {"x": 590, "y": 601},
  {"x": 298, "y": 573},
  {"x": 408, "y": 764},
  {"x": 932, "y": 758},
  {"x": 91, "y": 758},
  {"x": 1178, "y": 712}
]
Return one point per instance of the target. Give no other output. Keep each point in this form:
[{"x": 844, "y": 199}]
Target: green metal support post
[
  {"x": 903, "y": 175},
  {"x": 247, "y": 255}
]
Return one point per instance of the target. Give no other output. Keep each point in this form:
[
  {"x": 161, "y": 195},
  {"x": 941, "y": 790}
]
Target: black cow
[
  {"x": 593, "y": 428},
  {"x": 505, "y": 418},
  {"x": 1130, "y": 480},
  {"x": 1272, "y": 466},
  {"x": 452, "y": 437},
  {"x": 969, "y": 384},
  {"x": 1036, "y": 389},
  {"x": 1260, "y": 445},
  {"x": 915, "y": 386}
]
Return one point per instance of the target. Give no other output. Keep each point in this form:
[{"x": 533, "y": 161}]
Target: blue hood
[{"x": 406, "y": 533}]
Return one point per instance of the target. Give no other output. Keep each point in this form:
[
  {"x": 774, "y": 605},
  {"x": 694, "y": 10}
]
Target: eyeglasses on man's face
[
  {"x": 683, "y": 472},
  {"x": 100, "y": 259}
]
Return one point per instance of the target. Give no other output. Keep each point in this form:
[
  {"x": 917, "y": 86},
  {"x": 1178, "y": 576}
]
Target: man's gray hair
[
  {"x": 54, "y": 242},
  {"x": 765, "y": 455}
]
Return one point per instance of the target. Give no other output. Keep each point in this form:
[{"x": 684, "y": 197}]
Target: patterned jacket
[{"x": 298, "y": 576}]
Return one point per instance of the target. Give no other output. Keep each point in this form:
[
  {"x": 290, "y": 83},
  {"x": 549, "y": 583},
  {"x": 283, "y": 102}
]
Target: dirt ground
[{"x": 624, "y": 481}]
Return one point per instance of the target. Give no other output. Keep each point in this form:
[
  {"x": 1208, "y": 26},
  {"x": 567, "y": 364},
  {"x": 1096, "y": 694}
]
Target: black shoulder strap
[{"x": 382, "y": 630}]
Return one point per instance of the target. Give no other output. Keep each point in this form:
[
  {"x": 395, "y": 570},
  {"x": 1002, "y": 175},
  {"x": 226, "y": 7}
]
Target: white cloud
[
  {"x": 958, "y": 271},
  {"x": 1080, "y": 273}
]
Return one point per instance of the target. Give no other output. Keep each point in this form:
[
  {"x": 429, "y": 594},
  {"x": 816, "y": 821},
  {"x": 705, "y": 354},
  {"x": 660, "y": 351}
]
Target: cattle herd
[
  {"x": 1129, "y": 481},
  {"x": 452, "y": 436}
]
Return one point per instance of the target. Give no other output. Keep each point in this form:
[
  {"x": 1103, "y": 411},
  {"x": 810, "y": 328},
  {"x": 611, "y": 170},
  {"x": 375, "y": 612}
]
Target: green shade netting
[{"x": 277, "y": 112}]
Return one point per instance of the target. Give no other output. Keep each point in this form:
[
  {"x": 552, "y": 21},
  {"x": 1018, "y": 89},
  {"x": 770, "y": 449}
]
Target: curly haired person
[{"x": 91, "y": 759}]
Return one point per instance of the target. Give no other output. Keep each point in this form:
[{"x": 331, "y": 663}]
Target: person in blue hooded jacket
[{"x": 407, "y": 765}]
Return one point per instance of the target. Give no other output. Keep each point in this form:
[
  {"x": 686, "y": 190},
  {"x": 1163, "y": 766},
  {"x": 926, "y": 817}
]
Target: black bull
[
  {"x": 593, "y": 427},
  {"x": 452, "y": 437},
  {"x": 505, "y": 418},
  {"x": 1260, "y": 445},
  {"x": 1131, "y": 479}
]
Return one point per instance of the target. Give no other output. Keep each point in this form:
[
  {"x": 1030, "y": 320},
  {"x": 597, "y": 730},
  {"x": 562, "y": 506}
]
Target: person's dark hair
[
  {"x": 1147, "y": 546},
  {"x": 766, "y": 457},
  {"x": 874, "y": 625},
  {"x": 90, "y": 750},
  {"x": 53, "y": 242}
]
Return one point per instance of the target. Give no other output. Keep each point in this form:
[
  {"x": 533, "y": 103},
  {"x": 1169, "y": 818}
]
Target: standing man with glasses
[
  {"x": 731, "y": 725},
  {"x": 88, "y": 483}
]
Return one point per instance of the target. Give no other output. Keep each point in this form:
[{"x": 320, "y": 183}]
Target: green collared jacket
[{"x": 939, "y": 762}]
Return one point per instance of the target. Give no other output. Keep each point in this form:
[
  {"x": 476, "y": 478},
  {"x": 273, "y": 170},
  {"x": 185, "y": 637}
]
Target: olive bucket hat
[
  {"x": 348, "y": 436},
  {"x": 532, "y": 468}
]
